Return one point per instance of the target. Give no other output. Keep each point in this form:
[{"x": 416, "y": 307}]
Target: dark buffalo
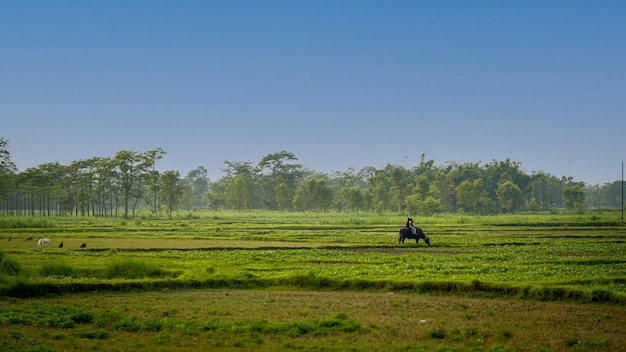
[{"x": 406, "y": 232}]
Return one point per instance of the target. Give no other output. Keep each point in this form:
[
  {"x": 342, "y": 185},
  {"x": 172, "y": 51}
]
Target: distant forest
[{"x": 129, "y": 182}]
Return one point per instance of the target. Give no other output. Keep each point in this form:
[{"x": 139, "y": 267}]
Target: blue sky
[{"x": 338, "y": 83}]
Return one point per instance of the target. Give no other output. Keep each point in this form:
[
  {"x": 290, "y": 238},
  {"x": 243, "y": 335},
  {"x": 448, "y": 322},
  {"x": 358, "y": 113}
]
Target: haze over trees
[{"x": 118, "y": 186}]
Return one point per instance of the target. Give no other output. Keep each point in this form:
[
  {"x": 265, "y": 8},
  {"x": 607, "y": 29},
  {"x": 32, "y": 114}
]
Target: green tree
[
  {"x": 107, "y": 187},
  {"x": 379, "y": 184},
  {"x": 275, "y": 169},
  {"x": 399, "y": 180},
  {"x": 413, "y": 203},
  {"x": 613, "y": 194},
  {"x": 250, "y": 176},
  {"x": 170, "y": 190},
  {"x": 152, "y": 174},
  {"x": 465, "y": 172},
  {"x": 511, "y": 170},
  {"x": 353, "y": 197},
  {"x": 216, "y": 196},
  {"x": 574, "y": 196},
  {"x": 425, "y": 168},
  {"x": 187, "y": 198},
  {"x": 84, "y": 185},
  {"x": 238, "y": 193},
  {"x": 130, "y": 167},
  {"x": 545, "y": 190},
  {"x": 485, "y": 205},
  {"x": 198, "y": 182},
  {"x": 7, "y": 176},
  {"x": 344, "y": 184},
  {"x": 283, "y": 196},
  {"x": 471, "y": 196},
  {"x": 431, "y": 205},
  {"x": 51, "y": 176},
  {"x": 442, "y": 189},
  {"x": 7, "y": 166},
  {"x": 299, "y": 199},
  {"x": 510, "y": 196},
  {"x": 320, "y": 194}
]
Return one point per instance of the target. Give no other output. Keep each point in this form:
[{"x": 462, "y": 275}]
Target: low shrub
[
  {"x": 24, "y": 223},
  {"x": 56, "y": 269},
  {"x": 438, "y": 333},
  {"x": 127, "y": 268},
  {"x": 64, "y": 317},
  {"x": 94, "y": 335},
  {"x": 8, "y": 266},
  {"x": 339, "y": 323}
]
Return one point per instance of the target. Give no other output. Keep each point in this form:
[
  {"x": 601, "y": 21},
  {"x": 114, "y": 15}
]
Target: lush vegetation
[
  {"x": 129, "y": 182},
  {"x": 310, "y": 280}
]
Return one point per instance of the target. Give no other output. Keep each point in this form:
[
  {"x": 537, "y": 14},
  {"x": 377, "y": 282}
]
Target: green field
[{"x": 314, "y": 281}]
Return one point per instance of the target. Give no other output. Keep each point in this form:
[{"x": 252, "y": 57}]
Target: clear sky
[{"x": 338, "y": 83}]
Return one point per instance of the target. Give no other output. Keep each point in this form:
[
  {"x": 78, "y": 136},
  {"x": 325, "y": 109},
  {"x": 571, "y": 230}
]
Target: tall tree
[
  {"x": 275, "y": 169},
  {"x": 151, "y": 157},
  {"x": 133, "y": 168},
  {"x": 320, "y": 193},
  {"x": 299, "y": 199},
  {"x": 128, "y": 166},
  {"x": 573, "y": 195},
  {"x": 6, "y": 164},
  {"x": 238, "y": 193},
  {"x": 495, "y": 170},
  {"x": 170, "y": 190},
  {"x": 52, "y": 182},
  {"x": 510, "y": 196},
  {"x": 198, "y": 181},
  {"x": 216, "y": 196},
  {"x": 473, "y": 197},
  {"x": 7, "y": 175},
  {"x": 249, "y": 175},
  {"x": 354, "y": 197},
  {"x": 545, "y": 191},
  {"x": 107, "y": 187},
  {"x": 399, "y": 181},
  {"x": 283, "y": 196},
  {"x": 442, "y": 189}
]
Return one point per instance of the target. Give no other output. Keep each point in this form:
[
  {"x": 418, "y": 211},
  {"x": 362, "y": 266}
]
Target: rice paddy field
[{"x": 268, "y": 281}]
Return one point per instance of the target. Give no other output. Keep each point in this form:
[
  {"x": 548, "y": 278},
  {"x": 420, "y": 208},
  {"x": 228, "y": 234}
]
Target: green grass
[
  {"x": 563, "y": 260},
  {"x": 570, "y": 259},
  {"x": 270, "y": 320}
]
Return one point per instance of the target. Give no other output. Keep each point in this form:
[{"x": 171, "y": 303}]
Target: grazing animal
[
  {"x": 406, "y": 232},
  {"x": 43, "y": 241},
  {"x": 84, "y": 245},
  {"x": 61, "y": 245},
  {"x": 29, "y": 239}
]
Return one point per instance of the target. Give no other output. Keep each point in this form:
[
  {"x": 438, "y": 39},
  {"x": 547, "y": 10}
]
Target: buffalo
[{"x": 406, "y": 232}]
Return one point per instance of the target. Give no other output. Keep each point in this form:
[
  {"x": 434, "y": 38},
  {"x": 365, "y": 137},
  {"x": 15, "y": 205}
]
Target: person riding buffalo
[{"x": 409, "y": 224}]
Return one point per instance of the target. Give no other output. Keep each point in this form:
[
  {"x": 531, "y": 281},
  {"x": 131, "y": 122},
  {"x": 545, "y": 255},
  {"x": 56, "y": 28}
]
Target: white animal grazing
[{"x": 43, "y": 241}]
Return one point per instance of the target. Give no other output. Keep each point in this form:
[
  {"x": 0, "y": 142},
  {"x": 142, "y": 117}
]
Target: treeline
[{"x": 119, "y": 186}]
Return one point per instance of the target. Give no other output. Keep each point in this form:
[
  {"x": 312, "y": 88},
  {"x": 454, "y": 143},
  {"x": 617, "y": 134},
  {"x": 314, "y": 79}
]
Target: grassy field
[{"x": 314, "y": 281}]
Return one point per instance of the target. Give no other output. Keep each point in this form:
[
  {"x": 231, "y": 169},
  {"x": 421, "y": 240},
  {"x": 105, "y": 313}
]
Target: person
[{"x": 409, "y": 224}]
